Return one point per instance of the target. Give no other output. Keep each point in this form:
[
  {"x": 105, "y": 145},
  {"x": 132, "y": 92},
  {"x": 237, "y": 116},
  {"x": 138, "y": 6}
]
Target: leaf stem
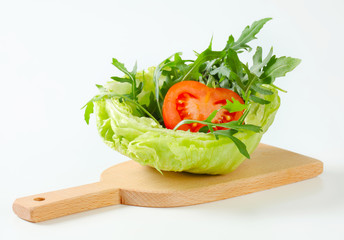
[
  {"x": 250, "y": 83},
  {"x": 141, "y": 108},
  {"x": 274, "y": 86}
]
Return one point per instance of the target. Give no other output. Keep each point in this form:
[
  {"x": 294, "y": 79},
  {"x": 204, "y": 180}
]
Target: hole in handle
[{"x": 39, "y": 199}]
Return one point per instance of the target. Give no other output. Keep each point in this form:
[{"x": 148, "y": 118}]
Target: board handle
[{"x": 45, "y": 206}]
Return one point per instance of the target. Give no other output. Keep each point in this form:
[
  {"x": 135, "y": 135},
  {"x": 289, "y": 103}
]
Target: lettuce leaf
[{"x": 143, "y": 140}]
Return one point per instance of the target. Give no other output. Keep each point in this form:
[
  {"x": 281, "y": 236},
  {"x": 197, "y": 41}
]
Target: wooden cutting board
[{"x": 132, "y": 184}]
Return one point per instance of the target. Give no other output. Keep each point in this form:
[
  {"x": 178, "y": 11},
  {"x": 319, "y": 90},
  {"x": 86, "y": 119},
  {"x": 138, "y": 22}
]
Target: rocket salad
[{"x": 201, "y": 116}]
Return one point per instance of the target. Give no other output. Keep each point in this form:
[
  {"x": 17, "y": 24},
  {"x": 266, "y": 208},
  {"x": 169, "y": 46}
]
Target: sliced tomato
[{"x": 194, "y": 100}]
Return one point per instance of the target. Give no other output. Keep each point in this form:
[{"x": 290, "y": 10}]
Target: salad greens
[{"x": 129, "y": 109}]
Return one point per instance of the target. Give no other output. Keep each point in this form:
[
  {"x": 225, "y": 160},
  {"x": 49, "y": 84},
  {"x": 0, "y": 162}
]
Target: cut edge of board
[{"x": 223, "y": 190}]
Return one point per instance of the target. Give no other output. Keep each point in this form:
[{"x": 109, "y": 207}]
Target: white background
[{"x": 52, "y": 53}]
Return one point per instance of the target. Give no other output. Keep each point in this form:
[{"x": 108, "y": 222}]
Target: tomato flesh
[{"x": 194, "y": 100}]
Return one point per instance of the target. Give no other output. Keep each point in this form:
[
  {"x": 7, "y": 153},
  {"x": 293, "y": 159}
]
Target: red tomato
[{"x": 194, "y": 100}]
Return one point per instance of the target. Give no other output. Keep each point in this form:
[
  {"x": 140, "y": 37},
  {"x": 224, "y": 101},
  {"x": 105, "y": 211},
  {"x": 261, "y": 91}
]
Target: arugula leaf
[
  {"x": 259, "y": 100},
  {"x": 211, "y": 82},
  {"x": 122, "y": 80},
  {"x": 211, "y": 116},
  {"x": 236, "y": 68},
  {"x": 237, "y": 126},
  {"x": 207, "y": 55},
  {"x": 234, "y": 106},
  {"x": 120, "y": 66},
  {"x": 244, "y": 115},
  {"x": 177, "y": 68},
  {"x": 139, "y": 88},
  {"x": 193, "y": 70},
  {"x": 261, "y": 90},
  {"x": 222, "y": 70},
  {"x": 278, "y": 67},
  {"x": 248, "y": 35},
  {"x": 230, "y": 42},
  {"x": 101, "y": 88},
  {"x": 152, "y": 108},
  {"x": 239, "y": 144},
  {"x": 280, "y": 89},
  {"x": 251, "y": 79},
  {"x": 134, "y": 71},
  {"x": 232, "y": 125},
  {"x": 88, "y": 111},
  {"x": 233, "y": 63},
  {"x": 257, "y": 57},
  {"x": 258, "y": 63}
]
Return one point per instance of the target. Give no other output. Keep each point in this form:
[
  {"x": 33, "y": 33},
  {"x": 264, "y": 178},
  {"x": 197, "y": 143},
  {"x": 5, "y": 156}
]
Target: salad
[{"x": 204, "y": 115}]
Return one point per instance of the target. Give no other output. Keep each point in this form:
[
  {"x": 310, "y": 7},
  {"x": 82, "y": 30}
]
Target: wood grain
[
  {"x": 132, "y": 184},
  {"x": 45, "y": 206}
]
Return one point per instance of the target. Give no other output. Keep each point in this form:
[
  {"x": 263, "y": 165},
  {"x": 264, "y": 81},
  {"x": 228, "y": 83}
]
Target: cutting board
[{"x": 132, "y": 184}]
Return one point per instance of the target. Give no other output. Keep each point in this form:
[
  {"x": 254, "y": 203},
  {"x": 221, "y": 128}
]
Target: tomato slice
[{"x": 194, "y": 100}]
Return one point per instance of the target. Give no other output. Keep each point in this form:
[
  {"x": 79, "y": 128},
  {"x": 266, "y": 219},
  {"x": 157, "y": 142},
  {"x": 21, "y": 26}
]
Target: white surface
[{"x": 53, "y": 52}]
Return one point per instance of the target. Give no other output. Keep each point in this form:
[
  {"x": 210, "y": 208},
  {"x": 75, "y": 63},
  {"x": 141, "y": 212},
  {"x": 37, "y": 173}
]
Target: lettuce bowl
[{"x": 143, "y": 140}]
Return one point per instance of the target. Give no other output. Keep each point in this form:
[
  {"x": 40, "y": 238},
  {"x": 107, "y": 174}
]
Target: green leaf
[
  {"x": 118, "y": 79},
  {"x": 222, "y": 70},
  {"x": 258, "y": 64},
  {"x": 101, "y": 88},
  {"x": 88, "y": 111},
  {"x": 278, "y": 67},
  {"x": 258, "y": 100},
  {"x": 211, "y": 82},
  {"x": 196, "y": 53},
  {"x": 244, "y": 115},
  {"x": 193, "y": 69},
  {"x": 261, "y": 90},
  {"x": 258, "y": 56},
  {"x": 234, "y": 106},
  {"x": 211, "y": 43},
  {"x": 139, "y": 88},
  {"x": 252, "y": 79},
  {"x": 245, "y": 96},
  {"x": 157, "y": 74},
  {"x": 230, "y": 42},
  {"x": 232, "y": 125},
  {"x": 133, "y": 72},
  {"x": 211, "y": 116},
  {"x": 233, "y": 63},
  {"x": 240, "y": 145},
  {"x": 249, "y": 34},
  {"x": 225, "y": 83},
  {"x": 152, "y": 107},
  {"x": 120, "y": 66},
  {"x": 280, "y": 89},
  {"x": 204, "y": 129},
  {"x": 235, "y": 125}
]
